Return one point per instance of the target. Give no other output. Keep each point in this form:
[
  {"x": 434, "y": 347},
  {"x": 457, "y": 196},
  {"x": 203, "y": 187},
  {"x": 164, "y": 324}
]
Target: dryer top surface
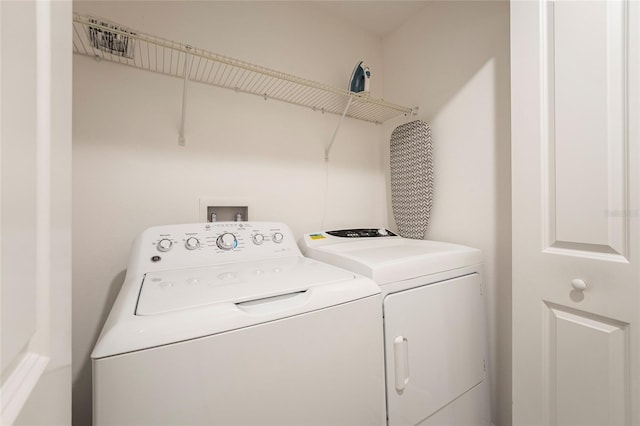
[{"x": 389, "y": 259}]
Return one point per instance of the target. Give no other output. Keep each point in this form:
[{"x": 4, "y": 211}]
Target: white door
[
  {"x": 434, "y": 351},
  {"x": 576, "y": 207},
  {"x": 35, "y": 286}
]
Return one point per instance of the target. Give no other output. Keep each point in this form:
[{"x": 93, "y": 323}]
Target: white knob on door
[{"x": 579, "y": 284}]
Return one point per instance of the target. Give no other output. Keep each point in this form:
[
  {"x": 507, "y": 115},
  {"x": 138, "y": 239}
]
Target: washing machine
[
  {"x": 434, "y": 322},
  {"x": 228, "y": 324}
]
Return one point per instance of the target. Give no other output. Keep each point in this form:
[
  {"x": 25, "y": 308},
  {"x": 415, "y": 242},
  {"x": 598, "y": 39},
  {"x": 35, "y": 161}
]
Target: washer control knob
[
  {"x": 164, "y": 244},
  {"x": 192, "y": 243},
  {"x": 226, "y": 241},
  {"x": 277, "y": 237},
  {"x": 257, "y": 239}
]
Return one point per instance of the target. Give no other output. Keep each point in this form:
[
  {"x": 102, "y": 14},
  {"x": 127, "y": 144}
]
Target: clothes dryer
[
  {"x": 434, "y": 322},
  {"x": 228, "y": 324}
]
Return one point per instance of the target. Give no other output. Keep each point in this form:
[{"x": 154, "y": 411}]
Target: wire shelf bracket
[
  {"x": 105, "y": 40},
  {"x": 181, "y": 139}
]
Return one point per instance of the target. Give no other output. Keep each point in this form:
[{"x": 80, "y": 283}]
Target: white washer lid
[
  {"x": 285, "y": 288},
  {"x": 389, "y": 259},
  {"x": 167, "y": 291}
]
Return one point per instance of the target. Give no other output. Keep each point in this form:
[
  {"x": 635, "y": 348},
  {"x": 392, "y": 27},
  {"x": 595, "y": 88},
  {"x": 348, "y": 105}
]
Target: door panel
[
  {"x": 584, "y": 110},
  {"x": 18, "y": 214},
  {"x": 586, "y": 352},
  {"x": 576, "y": 194},
  {"x": 434, "y": 347}
]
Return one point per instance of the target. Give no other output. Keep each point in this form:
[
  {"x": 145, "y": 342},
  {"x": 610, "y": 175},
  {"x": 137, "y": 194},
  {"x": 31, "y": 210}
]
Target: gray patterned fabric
[{"x": 411, "y": 178}]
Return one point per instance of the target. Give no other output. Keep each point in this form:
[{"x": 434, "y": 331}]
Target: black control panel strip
[{"x": 362, "y": 233}]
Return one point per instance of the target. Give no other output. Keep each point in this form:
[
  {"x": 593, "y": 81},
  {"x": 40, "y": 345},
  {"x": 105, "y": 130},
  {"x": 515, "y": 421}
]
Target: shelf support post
[
  {"x": 335, "y": 132},
  {"x": 181, "y": 140}
]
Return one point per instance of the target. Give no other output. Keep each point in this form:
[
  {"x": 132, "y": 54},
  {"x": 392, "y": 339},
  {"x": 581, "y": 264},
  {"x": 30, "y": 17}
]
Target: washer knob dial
[
  {"x": 257, "y": 239},
  {"x": 226, "y": 241},
  {"x": 277, "y": 237},
  {"x": 164, "y": 244},
  {"x": 192, "y": 243}
]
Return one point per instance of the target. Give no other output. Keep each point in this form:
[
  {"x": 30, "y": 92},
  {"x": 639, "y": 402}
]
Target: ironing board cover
[{"x": 411, "y": 178}]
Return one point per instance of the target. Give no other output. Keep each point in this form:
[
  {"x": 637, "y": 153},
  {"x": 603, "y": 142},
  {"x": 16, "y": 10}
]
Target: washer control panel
[{"x": 192, "y": 245}]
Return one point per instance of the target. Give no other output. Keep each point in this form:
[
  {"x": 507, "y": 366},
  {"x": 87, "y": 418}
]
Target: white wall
[
  {"x": 129, "y": 173},
  {"x": 452, "y": 60}
]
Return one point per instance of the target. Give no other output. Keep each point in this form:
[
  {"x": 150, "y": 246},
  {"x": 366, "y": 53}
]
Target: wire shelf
[{"x": 105, "y": 40}]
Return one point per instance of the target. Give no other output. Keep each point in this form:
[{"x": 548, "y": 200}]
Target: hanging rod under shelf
[{"x": 102, "y": 39}]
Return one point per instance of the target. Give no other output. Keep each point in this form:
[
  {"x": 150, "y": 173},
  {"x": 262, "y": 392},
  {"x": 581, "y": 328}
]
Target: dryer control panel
[
  {"x": 362, "y": 233},
  {"x": 199, "y": 244}
]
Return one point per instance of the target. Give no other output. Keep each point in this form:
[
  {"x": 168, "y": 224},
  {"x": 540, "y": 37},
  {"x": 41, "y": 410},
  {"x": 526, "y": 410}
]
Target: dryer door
[{"x": 434, "y": 344}]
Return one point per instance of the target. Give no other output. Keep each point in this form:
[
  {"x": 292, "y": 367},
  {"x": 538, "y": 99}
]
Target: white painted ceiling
[{"x": 379, "y": 18}]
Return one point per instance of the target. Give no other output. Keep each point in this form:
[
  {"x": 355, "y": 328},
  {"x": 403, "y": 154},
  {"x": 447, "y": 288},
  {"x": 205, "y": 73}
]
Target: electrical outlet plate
[{"x": 225, "y": 210}]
